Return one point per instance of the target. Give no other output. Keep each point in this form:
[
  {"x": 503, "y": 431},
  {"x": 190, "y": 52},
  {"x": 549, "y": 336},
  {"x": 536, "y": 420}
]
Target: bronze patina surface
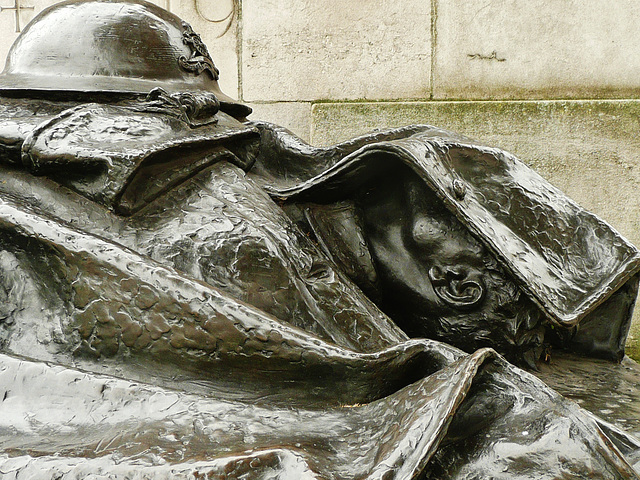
[{"x": 185, "y": 293}]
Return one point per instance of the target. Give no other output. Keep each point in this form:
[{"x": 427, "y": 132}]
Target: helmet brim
[{"x": 16, "y": 82}]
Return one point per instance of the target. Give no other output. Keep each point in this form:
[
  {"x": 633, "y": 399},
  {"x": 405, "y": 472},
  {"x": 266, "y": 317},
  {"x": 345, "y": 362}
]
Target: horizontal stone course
[{"x": 304, "y": 50}]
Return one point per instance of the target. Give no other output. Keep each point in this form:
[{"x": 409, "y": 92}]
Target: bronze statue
[{"x": 189, "y": 293}]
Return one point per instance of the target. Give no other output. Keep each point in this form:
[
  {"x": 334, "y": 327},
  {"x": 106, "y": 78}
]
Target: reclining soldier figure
[{"x": 264, "y": 290}]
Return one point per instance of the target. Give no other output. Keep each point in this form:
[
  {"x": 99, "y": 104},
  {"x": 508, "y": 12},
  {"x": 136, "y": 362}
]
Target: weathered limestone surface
[
  {"x": 537, "y": 49},
  {"x": 588, "y": 149},
  {"x": 309, "y": 50},
  {"x": 295, "y": 116}
]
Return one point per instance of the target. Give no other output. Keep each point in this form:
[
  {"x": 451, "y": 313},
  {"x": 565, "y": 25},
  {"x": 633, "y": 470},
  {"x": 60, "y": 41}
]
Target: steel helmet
[{"x": 129, "y": 46}]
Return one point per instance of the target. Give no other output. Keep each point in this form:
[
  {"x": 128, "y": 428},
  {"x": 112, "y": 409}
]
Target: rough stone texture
[
  {"x": 309, "y": 50},
  {"x": 295, "y": 116},
  {"x": 589, "y": 149},
  {"x": 550, "y": 48}
]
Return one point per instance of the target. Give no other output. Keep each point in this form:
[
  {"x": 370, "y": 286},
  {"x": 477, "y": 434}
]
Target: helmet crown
[{"x": 127, "y": 46}]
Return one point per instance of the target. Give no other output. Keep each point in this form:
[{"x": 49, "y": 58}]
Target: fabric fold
[{"x": 567, "y": 260}]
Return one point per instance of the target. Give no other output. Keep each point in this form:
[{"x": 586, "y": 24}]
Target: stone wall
[{"x": 557, "y": 82}]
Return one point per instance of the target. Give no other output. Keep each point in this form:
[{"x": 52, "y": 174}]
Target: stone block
[
  {"x": 537, "y": 49},
  {"x": 294, "y": 116},
  {"x": 296, "y": 50},
  {"x": 588, "y": 149}
]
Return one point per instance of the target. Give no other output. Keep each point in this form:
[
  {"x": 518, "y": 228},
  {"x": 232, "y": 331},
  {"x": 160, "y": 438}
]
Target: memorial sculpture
[{"x": 188, "y": 293}]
